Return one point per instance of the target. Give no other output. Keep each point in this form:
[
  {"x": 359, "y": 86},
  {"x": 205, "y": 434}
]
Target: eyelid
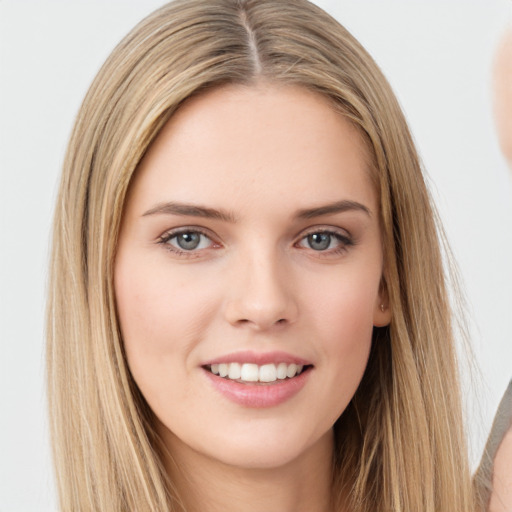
[
  {"x": 342, "y": 235},
  {"x": 344, "y": 238},
  {"x": 169, "y": 233},
  {"x": 164, "y": 238},
  {"x": 333, "y": 230}
]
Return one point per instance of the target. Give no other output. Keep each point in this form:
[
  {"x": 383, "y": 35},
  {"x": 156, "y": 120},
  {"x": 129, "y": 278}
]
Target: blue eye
[
  {"x": 187, "y": 241},
  {"x": 319, "y": 241},
  {"x": 324, "y": 241}
]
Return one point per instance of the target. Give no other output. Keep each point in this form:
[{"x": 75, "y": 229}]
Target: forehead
[{"x": 262, "y": 143}]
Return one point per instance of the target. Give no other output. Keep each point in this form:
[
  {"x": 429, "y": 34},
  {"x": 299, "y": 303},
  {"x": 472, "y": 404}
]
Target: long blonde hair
[{"x": 400, "y": 444}]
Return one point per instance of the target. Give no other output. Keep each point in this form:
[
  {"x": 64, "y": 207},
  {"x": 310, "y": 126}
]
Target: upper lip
[{"x": 260, "y": 359}]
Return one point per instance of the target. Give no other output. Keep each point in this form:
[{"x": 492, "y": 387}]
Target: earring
[{"x": 382, "y": 308}]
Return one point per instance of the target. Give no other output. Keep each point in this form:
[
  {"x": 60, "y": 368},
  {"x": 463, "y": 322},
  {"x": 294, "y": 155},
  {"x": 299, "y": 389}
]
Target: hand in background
[
  {"x": 503, "y": 94},
  {"x": 501, "y": 494}
]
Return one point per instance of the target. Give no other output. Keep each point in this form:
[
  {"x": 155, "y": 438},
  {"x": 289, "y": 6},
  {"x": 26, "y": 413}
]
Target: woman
[{"x": 247, "y": 306}]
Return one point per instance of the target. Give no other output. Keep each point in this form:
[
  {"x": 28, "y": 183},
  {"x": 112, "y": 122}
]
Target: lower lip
[{"x": 259, "y": 395}]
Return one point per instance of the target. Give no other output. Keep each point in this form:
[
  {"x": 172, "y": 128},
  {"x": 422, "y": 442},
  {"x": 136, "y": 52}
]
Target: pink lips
[
  {"x": 257, "y": 394},
  {"x": 259, "y": 359}
]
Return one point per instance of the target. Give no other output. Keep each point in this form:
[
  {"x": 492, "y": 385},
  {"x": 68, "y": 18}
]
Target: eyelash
[
  {"x": 167, "y": 237},
  {"x": 345, "y": 242}
]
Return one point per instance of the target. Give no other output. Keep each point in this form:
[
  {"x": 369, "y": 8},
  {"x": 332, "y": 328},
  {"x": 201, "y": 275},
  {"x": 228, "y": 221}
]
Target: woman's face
[{"x": 250, "y": 245}]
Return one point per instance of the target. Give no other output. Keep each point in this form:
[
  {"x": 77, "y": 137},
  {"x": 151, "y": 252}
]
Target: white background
[{"x": 437, "y": 55}]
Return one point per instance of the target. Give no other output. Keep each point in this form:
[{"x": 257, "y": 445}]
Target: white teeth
[
  {"x": 223, "y": 370},
  {"x": 268, "y": 373},
  {"x": 235, "y": 371},
  {"x": 282, "y": 370},
  {"x": 249, "y": 372},
  {"x": 291, "y": 371}
]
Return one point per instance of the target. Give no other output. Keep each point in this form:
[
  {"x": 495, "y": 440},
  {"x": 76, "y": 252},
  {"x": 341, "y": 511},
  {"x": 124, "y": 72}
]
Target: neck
[{"x": 302, "y": 485}]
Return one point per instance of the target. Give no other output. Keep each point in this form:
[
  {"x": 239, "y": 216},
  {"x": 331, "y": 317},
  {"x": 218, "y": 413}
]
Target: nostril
[{"x": 245, "y": 321}]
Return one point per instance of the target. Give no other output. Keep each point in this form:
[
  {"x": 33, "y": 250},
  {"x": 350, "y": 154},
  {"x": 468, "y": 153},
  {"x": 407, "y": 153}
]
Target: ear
[{"x": 382, "y": 309}]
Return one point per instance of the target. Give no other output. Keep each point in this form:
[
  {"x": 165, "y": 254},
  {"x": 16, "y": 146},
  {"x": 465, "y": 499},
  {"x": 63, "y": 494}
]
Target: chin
[{"x": 270, "y": 449}]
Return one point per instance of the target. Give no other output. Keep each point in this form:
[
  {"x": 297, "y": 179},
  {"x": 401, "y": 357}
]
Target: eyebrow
[
  {"x": 191, "y": 210},
  {"x": 332, "y": 208}
]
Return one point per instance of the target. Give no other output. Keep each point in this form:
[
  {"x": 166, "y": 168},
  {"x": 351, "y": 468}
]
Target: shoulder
[{"x": 493, "y": 479}]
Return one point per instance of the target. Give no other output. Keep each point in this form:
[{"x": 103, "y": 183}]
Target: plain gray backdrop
[{"x": 436, "y": 54}]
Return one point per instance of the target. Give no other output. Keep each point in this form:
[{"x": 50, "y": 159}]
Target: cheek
[
  {"x": 345, "y": 306},
  {"x": 162, "y": 317},
  {"x": 343, "y": 318}
]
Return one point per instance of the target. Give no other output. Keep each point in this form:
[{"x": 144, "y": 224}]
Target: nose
[{"x": 261, "y": 294}]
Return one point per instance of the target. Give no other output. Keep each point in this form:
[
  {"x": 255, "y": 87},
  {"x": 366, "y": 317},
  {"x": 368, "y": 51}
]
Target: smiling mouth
[{"x": 253, "y": 373}]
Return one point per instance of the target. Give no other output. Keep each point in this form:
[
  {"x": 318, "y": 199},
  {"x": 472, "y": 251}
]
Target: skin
[
  {"x": 261, "y": 154},
  {"x": 503, "y": 94}
]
